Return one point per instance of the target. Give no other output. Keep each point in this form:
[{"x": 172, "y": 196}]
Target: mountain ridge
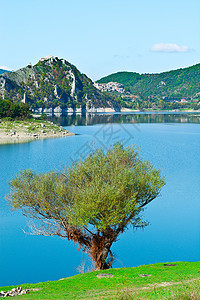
[
  {"x": 4, "y": 71},
  {"x": 53, "y": 82},
  {"x": 174, "y": 84}
]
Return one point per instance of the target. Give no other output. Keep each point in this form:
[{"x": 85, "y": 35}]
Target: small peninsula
[{"x": 20, "y": 131}]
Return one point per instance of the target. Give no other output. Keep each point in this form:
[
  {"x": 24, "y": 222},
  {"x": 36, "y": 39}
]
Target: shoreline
[
  {"x": 20, "y": 138},
  {"x": 123, "y": 109},
  {"x": 14, "y": 132},
  {"x": 159, "y": 111}
]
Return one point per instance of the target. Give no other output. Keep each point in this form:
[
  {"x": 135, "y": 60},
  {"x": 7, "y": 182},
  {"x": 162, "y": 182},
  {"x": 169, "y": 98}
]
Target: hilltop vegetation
[
  {"x": 128, "y": 79},
  {"x": 161, "y": 88},
  {"x": 177, "y": 84},
  {"x": 53, "y": 82}
]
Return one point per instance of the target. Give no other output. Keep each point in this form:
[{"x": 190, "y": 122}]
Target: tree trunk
[{"x": 99, "y": 251}]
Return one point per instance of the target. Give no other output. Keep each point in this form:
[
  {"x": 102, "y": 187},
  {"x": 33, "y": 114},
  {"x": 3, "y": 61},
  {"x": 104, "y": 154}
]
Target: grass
[
  {"x": 29, "y": 126},
  {"x": 166, "y": 282}
]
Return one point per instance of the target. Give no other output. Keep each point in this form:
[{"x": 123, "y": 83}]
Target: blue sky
[{"x": 102, "y": 37}]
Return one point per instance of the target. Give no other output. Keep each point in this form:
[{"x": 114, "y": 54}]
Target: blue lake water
[{"x": 171, "y": 144}]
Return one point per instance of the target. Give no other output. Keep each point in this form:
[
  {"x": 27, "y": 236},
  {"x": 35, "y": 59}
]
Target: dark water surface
[{"x": 170, "y": 142}]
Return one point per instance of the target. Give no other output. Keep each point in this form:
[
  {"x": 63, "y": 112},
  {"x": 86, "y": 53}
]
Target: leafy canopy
[
  {"x": 106, "y": 190},
  {"x": 14, "y": 110}
]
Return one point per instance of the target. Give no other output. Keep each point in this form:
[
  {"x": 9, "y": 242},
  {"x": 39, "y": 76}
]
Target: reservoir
[{"x": 170, "y": 141}]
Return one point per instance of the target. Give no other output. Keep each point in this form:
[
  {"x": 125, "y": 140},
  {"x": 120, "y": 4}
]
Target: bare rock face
[{"x": 21, "y": 75}]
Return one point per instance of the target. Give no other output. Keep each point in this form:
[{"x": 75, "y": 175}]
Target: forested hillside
[{"x": 172, "y": 85}]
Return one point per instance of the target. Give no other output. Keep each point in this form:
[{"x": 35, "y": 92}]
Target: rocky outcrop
[
  {"x": 54, "y": 82},
  {"x": 17, "y": 292},
  {"x": 14, "y": 292},
  {"x": 22, "y": 75}
]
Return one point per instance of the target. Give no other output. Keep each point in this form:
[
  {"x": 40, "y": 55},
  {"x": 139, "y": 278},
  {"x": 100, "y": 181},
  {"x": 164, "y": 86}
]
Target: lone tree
[{"x": 92, "y": 202}]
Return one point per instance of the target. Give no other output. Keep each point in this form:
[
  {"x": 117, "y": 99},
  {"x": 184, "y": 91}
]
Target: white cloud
[
  {"x": 5, "y": 68},
  {"x": 162, "y": 47}
]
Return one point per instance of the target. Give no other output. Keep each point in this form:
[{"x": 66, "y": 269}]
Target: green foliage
[
  {"x": 172, "y": 85},
  {"x": 102, "y": 191},
  {"x": 111, "y": 187},
  {"x": 49, "y": 84},
  {"x": 10, "y": 109},
  {"x": 43, "y": 116},
  {"x": 91, "y": 202},
  {"x": 126, "y": 78}
]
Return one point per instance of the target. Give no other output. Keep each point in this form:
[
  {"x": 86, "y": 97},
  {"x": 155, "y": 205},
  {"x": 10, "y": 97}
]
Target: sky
[{"x": 101, "y": 37}]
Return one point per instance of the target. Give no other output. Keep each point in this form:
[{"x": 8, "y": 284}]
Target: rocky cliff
[{"x": 52, "y": 83}]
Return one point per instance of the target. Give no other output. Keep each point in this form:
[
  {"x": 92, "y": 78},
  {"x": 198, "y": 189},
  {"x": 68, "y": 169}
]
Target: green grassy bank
[
  {"x": 19, "y": 131},
  {"x": 179, "y": 280}
]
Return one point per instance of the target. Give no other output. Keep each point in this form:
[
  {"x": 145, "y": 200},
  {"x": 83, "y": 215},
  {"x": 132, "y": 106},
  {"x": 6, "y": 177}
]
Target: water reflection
[{"x": 104, "y": 118}]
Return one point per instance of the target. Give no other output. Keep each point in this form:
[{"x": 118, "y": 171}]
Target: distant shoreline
[
  {"x": 38, "y": 112},
  {"x": 158, "y": 111},
  {"x": 13, "y": 132}
]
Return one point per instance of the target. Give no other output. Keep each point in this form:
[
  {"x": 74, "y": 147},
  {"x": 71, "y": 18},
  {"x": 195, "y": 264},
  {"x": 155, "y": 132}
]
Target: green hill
[
  {"x": 125, "y": 78},
  {"x": 172, "y": 85},
  {"x": 178, "y": 280},
  {"x": 53, "y": 82}
]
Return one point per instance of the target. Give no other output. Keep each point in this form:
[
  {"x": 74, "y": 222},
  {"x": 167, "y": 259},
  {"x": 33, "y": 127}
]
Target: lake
[{"x": 170, "y": 141}]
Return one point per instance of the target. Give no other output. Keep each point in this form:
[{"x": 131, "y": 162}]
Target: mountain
[
  {"x": 176, "y": 84},
  {"x": 53, "y": 82},
  {"x": 3, "y": 71}
]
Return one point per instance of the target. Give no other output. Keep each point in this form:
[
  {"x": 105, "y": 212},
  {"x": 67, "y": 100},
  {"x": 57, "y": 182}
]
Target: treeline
[{"x": 14, "y": 110}]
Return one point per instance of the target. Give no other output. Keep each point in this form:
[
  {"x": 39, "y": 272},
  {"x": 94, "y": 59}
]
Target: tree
[
  {"x": 92, "y": 202},
  {"x": 9, "y": 108}
]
